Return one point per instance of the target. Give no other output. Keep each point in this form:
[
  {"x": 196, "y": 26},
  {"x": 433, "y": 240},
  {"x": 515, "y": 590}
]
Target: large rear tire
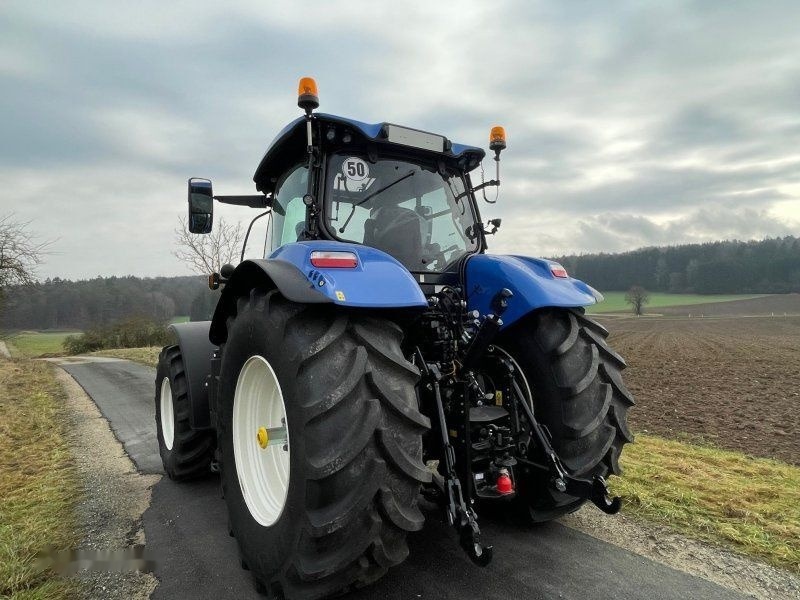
[
  {"x": 578, "y": 394},
  {"x": 340, "y": 495},
  {"x": 185, "y": 453}
]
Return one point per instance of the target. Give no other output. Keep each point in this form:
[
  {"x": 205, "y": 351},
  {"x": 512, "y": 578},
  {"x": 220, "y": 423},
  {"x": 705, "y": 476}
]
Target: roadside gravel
[
  {"x": 114, "y": 495},
  {"x": 663, "y": 545}
]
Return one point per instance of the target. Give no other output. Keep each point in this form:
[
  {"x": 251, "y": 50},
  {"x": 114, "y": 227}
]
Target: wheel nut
[{"x": 263, "y": 437}]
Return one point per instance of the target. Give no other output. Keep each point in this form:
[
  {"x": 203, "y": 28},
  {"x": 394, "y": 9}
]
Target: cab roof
[{"x": 289, "y": 147}]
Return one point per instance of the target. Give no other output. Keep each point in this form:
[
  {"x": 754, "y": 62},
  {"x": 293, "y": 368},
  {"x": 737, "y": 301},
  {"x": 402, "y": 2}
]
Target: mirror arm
[{"x": 253, "y": 201}]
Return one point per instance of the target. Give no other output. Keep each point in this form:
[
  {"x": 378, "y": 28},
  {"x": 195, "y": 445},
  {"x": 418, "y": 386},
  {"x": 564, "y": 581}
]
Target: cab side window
[{"x": 288, "y": 210}]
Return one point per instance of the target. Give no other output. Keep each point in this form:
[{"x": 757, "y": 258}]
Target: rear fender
[
  {"x": 196, "y": 351},
  {"x": 377, "y": 281},
  {"x": 530, "y": 279}
]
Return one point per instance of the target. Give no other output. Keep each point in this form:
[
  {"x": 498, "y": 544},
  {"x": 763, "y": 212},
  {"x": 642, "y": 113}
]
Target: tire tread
[
  {"x": 586, "y": 407},
  {"x": 366, "y": 470}
]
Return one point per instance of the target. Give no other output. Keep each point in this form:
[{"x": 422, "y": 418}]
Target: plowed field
[{"x": 733, "y": 382}]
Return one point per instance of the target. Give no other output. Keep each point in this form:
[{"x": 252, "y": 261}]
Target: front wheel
[
  {"x": 320, "y": 445},
  {"x": 578, "y": 394},
  {"x": 185, "y": 453}
]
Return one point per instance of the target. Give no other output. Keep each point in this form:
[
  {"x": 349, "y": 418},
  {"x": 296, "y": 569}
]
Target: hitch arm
[
  {"x": 459, "y": 515},
  {"x": 594, "y": 489}
]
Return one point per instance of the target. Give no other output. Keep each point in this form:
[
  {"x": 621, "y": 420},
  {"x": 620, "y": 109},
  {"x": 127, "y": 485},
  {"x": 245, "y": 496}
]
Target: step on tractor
[{"x": 378, "y": 360}]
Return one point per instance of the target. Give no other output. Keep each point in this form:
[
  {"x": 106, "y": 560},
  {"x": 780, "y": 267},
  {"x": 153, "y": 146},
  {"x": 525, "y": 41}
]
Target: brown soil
[{"x": 733, "y": 382}]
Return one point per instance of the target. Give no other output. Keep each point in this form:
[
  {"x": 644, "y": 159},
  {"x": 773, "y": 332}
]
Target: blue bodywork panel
[
  {"x": 378, "y": 281},
  {"x": 530, "y": 279}
]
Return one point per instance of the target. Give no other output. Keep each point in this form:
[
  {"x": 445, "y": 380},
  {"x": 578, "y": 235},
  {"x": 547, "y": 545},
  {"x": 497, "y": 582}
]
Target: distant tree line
[
  {"x": 64, "y": 304},
  {"x": 770, "y": 266}
]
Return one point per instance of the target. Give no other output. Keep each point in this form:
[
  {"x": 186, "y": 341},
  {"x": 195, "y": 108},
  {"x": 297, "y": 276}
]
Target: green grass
[
  {"x": 749, "y": 504},
  {"x": 38, "y": 484},
  {"x": 146, "y": 356},
  {"x": 30, "y": 344},
  {"x": 180, "y": 319},
  {"x": 615, "y": 301}
]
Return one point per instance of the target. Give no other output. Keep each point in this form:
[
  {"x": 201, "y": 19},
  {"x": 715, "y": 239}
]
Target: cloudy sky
[{"x": 629, "y": 123}]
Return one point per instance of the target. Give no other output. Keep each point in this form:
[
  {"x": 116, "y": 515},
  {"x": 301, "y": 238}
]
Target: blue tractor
[{"x": 378, "y": 358}]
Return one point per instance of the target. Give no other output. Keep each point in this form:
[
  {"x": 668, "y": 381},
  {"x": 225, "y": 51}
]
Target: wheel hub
[
  {"x": 263, "y": 437},
  {"x": 272, "y": 436}
]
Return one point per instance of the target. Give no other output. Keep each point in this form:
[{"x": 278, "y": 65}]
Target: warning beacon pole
[{"x": 308, "y": 100}]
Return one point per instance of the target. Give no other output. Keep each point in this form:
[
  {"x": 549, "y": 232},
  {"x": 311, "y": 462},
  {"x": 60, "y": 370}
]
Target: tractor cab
[
  {"x": 395, "y": 189},
  {"x": 403, "y": 191}
]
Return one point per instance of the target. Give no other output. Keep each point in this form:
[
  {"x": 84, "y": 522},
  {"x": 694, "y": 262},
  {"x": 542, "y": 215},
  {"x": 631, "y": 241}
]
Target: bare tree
[
  {"x": 20, "y": 253},
  {"x": 637, "y": 297},
  {"x": 208, "y": 252}
]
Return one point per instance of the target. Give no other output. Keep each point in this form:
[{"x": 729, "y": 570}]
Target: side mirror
[{"x": 201, "y": 205}]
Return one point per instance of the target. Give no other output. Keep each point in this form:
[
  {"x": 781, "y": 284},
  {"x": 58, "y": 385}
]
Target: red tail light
[
  {"x": 334, "y": 260},
  {"x": 558, "y": 271},
  {"x": 504, "y": 484}
]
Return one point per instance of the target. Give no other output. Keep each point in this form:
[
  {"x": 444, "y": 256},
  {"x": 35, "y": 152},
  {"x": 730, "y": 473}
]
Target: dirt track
[{"x": 734, "y": 382}]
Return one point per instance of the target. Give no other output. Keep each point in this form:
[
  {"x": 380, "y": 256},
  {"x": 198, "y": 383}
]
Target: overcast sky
[{"x": 629, "y": 123}]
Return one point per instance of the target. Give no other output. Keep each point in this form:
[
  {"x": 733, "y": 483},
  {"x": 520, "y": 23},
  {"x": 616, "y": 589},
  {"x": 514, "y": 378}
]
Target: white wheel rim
[
  {"x": 263, "y": 472},
  {"x": 167, "y": 414}
]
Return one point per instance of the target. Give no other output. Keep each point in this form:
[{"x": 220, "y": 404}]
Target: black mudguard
[
  {"x": 266, "y": 274},
  {"x": 196, "y": 350}
]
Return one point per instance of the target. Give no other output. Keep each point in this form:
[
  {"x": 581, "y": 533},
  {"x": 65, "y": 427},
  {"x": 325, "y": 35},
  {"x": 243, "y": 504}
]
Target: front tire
[
  {"x": 348, "y": 479},
  {"x": 578, "y": 394},
  {"x": 185, "y": 453}
]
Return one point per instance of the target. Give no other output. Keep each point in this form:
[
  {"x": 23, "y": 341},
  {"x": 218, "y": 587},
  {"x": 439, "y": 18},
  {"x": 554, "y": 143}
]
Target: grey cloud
[
  {"x": 617, "y": 232},
  {"x": 620, "y": 232},
  {"x": 699, "y": 126},
  {"x": 628, "y": 124},
  {"x": 660, "y": 190}
]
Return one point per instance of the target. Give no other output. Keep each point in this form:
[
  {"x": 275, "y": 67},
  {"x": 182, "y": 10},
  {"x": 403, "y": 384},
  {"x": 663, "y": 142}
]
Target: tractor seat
[{"x": 398, "y": 232}]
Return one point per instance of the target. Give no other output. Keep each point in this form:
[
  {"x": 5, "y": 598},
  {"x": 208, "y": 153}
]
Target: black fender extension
[
  {"x": 196, "y": 351},
  {"x": 266, "y": 274}
]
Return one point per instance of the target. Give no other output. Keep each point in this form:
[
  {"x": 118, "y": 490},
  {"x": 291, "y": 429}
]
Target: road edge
[
  {"x": 707, "y": 561},
  {"x": 115, "y": 494}
]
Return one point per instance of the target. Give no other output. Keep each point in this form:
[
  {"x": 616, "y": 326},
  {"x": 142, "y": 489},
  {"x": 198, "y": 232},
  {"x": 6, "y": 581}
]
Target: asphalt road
[{"x": 186, "y": 531}]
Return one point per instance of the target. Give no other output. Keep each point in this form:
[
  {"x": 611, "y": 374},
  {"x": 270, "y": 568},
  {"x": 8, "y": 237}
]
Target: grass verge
[
  {"x": 146, "y": 356},
  {"x": 615, "y": 301},
  {"x": 749, "y": 504},
  {"x": 38, "y": 484},
  {"x": 30, "y": 344}
]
